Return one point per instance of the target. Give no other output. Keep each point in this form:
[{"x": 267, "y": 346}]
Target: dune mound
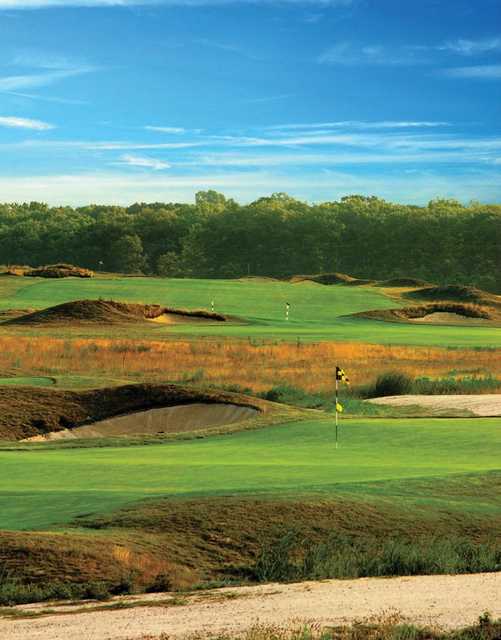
[
  {"x": 134, "y": 409},
  {"x": 403, "y": 282},
  {"x": 110, "y": 312},
  {"x": 60, "y": 270},
  {"x": 458, "y": 293},
  {"x": 432, "y": 313},
  {"x": 16, "y": 270},
  {"x": 331, "y": 278}
]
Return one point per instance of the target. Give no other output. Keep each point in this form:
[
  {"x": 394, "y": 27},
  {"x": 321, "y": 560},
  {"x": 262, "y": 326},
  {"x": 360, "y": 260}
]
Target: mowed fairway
[
  {"x": 51, "y": 486},
  {"x": 317, "y": 311}
]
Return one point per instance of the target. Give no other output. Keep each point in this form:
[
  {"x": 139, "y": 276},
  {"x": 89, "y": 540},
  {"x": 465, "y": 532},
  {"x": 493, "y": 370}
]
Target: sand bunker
[
  {"x": 435, "y": 313},
  {"x": 178, "y": 419},
  {"x": 112, "y": 312},
  {"x": 443, "y": 317},
  {"x": 488, "y": 405}
]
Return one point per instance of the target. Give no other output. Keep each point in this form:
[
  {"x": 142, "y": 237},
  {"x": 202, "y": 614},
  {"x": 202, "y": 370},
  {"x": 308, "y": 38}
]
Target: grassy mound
[
  {"x": 457, "y": 293},
  {"x": 403, "y": 282},
  {"x": 16, "y": 270},
  {"x": 439, "y": 311},
  {"x": 107, "y": 312},
  {"x": 172, "y": 544},
  {"x": 27, "y": 412},
  {"x": 332, "y": 278},
  {"x": 60, "y": 271}
]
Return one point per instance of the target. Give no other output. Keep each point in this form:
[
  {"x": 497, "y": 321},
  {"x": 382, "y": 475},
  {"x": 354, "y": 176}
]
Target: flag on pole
[{"x": 341, "y": 375}]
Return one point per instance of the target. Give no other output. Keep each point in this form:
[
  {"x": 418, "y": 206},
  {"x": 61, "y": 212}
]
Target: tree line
[{"x": 277, "y": 236}]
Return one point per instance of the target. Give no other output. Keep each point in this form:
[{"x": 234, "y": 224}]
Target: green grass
[
  {"x": 27, "y": 381},
  {"x": 51, "y": 486},
  {"x": 316, "y": 310}
]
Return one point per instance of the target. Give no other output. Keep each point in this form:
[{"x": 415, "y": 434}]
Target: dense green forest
[{"x": 278, "y": 236}]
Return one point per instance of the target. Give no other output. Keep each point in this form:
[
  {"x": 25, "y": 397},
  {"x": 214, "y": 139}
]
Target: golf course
[{"x": 180, "y": 504}]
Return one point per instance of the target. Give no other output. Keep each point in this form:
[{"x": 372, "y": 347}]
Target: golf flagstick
[
  {"x": 337, "y": 385},
  {"x": 340, "y": 376}
]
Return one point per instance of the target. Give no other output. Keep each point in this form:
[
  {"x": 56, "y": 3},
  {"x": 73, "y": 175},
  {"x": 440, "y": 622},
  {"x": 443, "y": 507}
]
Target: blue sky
[{"x": 122, "y": 101}]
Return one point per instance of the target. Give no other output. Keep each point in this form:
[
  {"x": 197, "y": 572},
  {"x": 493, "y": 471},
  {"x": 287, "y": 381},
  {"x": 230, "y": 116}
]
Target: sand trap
[
  {"x": 179, "y": 419},
  {"x": 480, "y": 405},
  {"x": 446, "y": 601},
  {"x": 442, "y": 317}
]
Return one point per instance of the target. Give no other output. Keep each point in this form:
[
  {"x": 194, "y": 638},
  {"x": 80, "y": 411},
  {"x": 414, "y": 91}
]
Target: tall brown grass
[{"x": 247, "y": 364}]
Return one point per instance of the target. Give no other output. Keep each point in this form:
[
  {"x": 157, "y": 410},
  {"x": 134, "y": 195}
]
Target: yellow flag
[{"x": 339, "y": 407}]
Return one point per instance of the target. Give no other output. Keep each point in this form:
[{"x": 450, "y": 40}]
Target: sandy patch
[
  {"x": 447, "y": 601},
  {"x": 480, "y": 405},
  {"x": 178, "y": 419},
  {"x": 442, "y": 317}
]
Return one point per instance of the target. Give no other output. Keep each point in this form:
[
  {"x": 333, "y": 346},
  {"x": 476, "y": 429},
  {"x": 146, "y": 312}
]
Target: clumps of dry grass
[
  {"x": 196, "y": 313},
  {"x": 16, "y": 270},
  {"x": 332, "y": 278},
  {"x": 461, "y": 309},
  {"x": 455, "y": 293},
  {"x": 253, "y": 364},
  {"x": 388, "y": 626},
  {"x": 61, "y": 270},
  {"x": 415, "y": 312},
  {"x": 403, "y": 282}
]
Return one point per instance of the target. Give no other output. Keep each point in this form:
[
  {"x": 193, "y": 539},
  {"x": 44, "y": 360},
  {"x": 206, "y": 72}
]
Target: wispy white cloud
[
  {"x": 481, "y": 72},
  {"x": 358, "y": 124},
  {"x": 141, "y": 161},
  {"x": 13, "y": 122},
  {"x": 42, "y": 78},
  {"x": 122, "y": 188},
  {"x": 225, "y": 159},
  {"x": 465, "y": 47},
  {"x": 98, "y": 145},
  {"x": 348, "y": 53},
  {"x": 173, "y": 130},
  {"x": 392, "y": 140},
  {"x": 56, "y": 99}
]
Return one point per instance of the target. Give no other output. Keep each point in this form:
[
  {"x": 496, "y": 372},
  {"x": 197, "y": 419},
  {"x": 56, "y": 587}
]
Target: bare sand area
[
  {"x": 444, "y": 601},
  {"x": 487, "y": 405},
  {"x": 177, "y": 419},
  {"x": 444, "y": 317}
]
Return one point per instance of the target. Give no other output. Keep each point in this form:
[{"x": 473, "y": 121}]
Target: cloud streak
[
  {"x": 42, "y": 79},
  {"x": 13, "y": 122},
  {"x": 145, "y": 163},
  {"x": 478, "y": 72},
  {"x": 122, "y": 188}
]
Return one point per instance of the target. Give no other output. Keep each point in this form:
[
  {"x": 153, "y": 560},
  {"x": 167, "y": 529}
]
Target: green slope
[
  {"x": 316, "y": 311},
  {"x": 46, "y": 487}
]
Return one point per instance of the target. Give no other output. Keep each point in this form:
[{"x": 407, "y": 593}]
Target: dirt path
[
  {"x": 447, "y": 601},
  {"x": 480, "y": 405}
]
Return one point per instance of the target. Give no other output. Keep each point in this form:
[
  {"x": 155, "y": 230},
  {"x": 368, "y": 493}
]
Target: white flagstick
[
  {"x": 287, "y": 307},
  {"x": 336, "y": 412}
]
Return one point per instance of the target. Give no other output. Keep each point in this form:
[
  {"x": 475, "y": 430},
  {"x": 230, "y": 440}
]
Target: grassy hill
[{"x": 317, "y": 312}]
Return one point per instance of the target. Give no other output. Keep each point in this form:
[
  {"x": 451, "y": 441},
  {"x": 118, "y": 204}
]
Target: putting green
[
  {"x": 51, "y": 486},
  {"x": 317, "y": 311}
]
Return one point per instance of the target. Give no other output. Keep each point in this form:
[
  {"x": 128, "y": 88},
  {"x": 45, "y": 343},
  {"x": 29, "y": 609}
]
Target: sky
[{"x": 118, "y": 101}]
